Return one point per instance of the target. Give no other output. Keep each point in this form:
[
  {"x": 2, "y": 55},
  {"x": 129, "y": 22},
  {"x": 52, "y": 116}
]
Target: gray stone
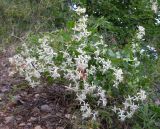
[
  {"x": 59, "y": 128},
  {"x": 46, "y": 108},
  {"x": 9, "y": 119},
  {"x": 68, "y": 116},
  {"x": 29, "y": 124},
  {"x": 32, "y": 119},
  {"x": 38, "y": 127},
  {"x": 36, "y": 95},
  {"x": 22, "y": 124}
]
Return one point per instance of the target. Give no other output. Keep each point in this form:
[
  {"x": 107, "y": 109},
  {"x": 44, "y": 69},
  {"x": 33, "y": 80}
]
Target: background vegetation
[{"x": 19, "y": 17}]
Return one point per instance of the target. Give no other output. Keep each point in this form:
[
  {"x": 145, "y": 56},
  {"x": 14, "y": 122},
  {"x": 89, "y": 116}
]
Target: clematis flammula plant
[
  {"x": 84, "y": 64},
  {"x": 131, "y": 104}
]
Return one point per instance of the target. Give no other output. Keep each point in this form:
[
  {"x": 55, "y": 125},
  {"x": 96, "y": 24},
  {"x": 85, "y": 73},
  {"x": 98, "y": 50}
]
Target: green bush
[{"x": 120, "y": 18}]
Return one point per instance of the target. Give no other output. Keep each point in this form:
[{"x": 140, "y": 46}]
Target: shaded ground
[{"x": 22, "y": 107}]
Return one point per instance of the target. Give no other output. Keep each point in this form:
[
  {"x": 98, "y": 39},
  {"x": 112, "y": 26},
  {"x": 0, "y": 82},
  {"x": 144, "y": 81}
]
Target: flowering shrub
[
  {"x": 130, "y": 105},
  {"x": 102, "y": 76}
]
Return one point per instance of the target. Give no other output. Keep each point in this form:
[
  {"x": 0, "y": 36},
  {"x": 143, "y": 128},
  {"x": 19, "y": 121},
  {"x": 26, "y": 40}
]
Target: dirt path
[{"x": 22, "y": 107}]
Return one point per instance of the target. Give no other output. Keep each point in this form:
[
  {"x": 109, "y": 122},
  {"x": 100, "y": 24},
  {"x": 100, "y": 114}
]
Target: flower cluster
[
  {"x": 141, "y": 32},
  {"x": 80, "y": 28},
  {"x": 158, "y": 19},
  {"x": 77, "y": 68},
  {"x": 46, "y": 56},
  {"x": 131, "y": 104},
  {"x": 80, "y": 10},
  {"x": 149, "y": 51},
  {"x": 154, "y": 6},
  {"x": 26, "y": 68},
  {"x": 31, "y": 67},
  {"x": 135, "y": 49}
]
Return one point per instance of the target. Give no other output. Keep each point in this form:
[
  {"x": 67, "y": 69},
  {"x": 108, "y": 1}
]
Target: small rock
[
  {"x": 74, "y": 117},
  {"x": 59, "y": 128},
  {"x": 68, "y": 115},
  {"x": 9, "y": 119},
  {"x": 18, "y": 118},
  {"x": 29, "y": 124},
  {"x": 24, "y": 93},
  {"x": 59, "y": 114},
  {"x": 46, "y": 108},
  {"x": 35, "y": 110},
  {"x": 4, "y": 127},
  {"x": 22, "y": 124},
  {"x": 4, "y": 89},
  {"x": 1, "y": 95},
  {"x": 44, "y": 94},
  {"x": 32, "y": 119},
  {"x": 48, "y": 116},
  {"x": 2, "y": 114},
  {"x": 16, "y": 98},
  {"x": 36, "y": 95},
  {"x": 37, "y": 127}
]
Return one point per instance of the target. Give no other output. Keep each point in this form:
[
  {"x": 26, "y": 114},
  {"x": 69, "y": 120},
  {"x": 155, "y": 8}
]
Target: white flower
[
  {"x": 81, "y": 51},
  {"x": 81, "y": 97},
  {"x": 55, "y": 73},
  {"x": 95, "y": 115},
  {"x": 80, "y": 10},
  {"x": 12, "y": 60},
  {"x": 82, "y": 61},
  {"x": 157, "y": 21},
  {"x": 118, "y": 74},
  {"x": 142, "y": 95},
  {"x": 137, "y": 63},
  {"x": 107, "y": 64},
  {"x": 80, "y": 29},
  {"x": 126, "y": 105},
  {"x": 129, "y": 114},
  {"x": 136, "y": 98},
  {"x": 72, "y": 75},
  {"x": 141, "y": 28},
  {"x": 87, "y": 114},
  {"x": 121, "y": 115},
  {"x": 129, "y": 99},
  {"x": 86, "y": 110},
  {"x": 129, "y": 105},
  {"x": 155, "y": 6},
  {"x": 151, "y": 48},
  {"x": 97, "y": 52},
  {"x": 33, "y": 83},
  {"x": 102, "y": 95},
  {"x": 133, "y": 107},
  {"x": 36, "y": 74},
  {"x": 141, "y": 32},
  {"x": 142, "y": 51},
  {"x": 115, "y": 109},
  {"x": 92, "y": 70}
]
